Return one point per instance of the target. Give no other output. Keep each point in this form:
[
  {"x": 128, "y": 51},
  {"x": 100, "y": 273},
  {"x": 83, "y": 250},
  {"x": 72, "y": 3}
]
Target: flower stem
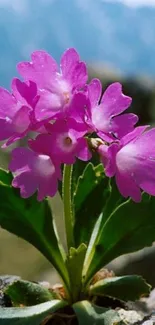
[{"x": 67, "y": 202}]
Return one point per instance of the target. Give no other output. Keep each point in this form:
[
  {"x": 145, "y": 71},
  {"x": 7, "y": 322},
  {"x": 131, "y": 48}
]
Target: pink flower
[
  {"x": 16, "y": 111},
  {"x": 78, "y": 109},
  {"x": 34, "y": 171},
  {"x": 59, "y": 105},
  {"x": 104, "y": 117},
  {"x": 132, "y": 162},
  {"x": 65, "y": 142},
  {"x": 54, "y": 88}
]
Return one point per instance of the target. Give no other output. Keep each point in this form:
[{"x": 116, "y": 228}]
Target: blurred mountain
[{"x": 120, "y": 36}]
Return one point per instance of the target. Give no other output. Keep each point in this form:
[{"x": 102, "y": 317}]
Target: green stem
[{"x": 67, "y": 202}]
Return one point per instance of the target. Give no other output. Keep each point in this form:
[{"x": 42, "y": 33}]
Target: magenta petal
[
  {"x": 143, "y": 152},
  {"x": 123, "y": 124},
  {"x": 134, "y": 134},
  {"x": 74, "y": 71},
  {"x": 83, "y": 151},
  {"x": 121, "y": 168},
  {"x": 42, "y": 59},
  {"x": 108, "y": 157},
  {"x": 12, "y": 139},
  {"x": 27, "y": 182},
  {"x": 6, "y": 129},
  {"x": 21, "y": 159},
  {"x": 42, "y": 144},
  {"x": 109, "y": 138},
  {"x": 21, "y": 120},
  {"x": 32, "y": 172},
  {"x": 78, "y": 75},
  {"x": 14, "y": 118},
  {"x": 60, "y": 126},
  {"x": 16, "y": 128},
  {"x": 68, "y": 60},
  {"x": 78, "y": 107},
  {"x": 8, "y": 104},
  {"x": 111, "y": 165},
  {"x": 145, "y": 139},
  {"x": 40, "y": 70},
  {"x": 48, "y": 105},
  {"x": 147, "y": 185},
  {"x": 103, "y": 152},
  {"x": 47, "y": 189},
  {"x": 94, "y": 91},
  {"x": 76, "y": 129},
  {"x": 69, "y": 126},
  {"x": 136, "y": 162},
  {"x": 128, "y": 187},
  {"x": 66, "y": 137},
  {"x": 24, "y": 93},
  {"x": 144, "y": 173},
  {"x": 114, "y": 101}
]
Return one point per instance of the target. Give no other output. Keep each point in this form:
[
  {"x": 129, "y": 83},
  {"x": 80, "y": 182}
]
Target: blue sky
[
  {"x": 138, "y": 2},
  {"x": 21, "y": 6},
  {"x": 27, "y": 31}
]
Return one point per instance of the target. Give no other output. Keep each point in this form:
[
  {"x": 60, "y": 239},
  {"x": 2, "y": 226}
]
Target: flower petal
[
  {"x": 27, "y": 182},
  {"x": 24, "y": 93},
  {"x": 94, "y": 91},
  {"x": 41, "y": 70},
  {"x": 48, "y": 105},
  {"x": 83, "y": 151},
  {"x": 128, "y": 187},
  {"x": 68, "y": 61},
  {"x": 108, "y": 158},
  {"x": 6, "y": 129},
  {"x": 78, "y": 108},
  {"x": 8, "y": 104},
  {"x": 123, "y": 124},
  {"x": 136, "y": 162},
  {"x": 74, "y": 71},
  {"x": 21, "y": 120},
  {"x": 33, "y": 172},
  {"x": 114, "y": 101},
  {"x": 79, "y": 75},
  {"x": 134, "y": 134}
]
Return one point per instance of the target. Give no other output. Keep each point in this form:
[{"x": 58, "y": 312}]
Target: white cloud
[
  {"x": 137, "y": 2},
  {"x": 19, "y": 6}
]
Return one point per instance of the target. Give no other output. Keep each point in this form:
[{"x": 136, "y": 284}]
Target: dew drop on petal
[
  {"x": 8, "y": 119},
  {"x": 152, "y": 158}
]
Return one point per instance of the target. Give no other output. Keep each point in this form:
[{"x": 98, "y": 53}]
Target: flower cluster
[{"x": 63, "y": 110}]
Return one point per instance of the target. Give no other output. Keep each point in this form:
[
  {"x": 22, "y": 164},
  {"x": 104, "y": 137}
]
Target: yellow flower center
[
  {"x": 66, "y": 97},
  {"x": 68, "y": 141}
]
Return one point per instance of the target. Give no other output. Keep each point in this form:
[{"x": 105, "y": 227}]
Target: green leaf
[
  {"x": 28, "y": 293},
  {"x": 129, "y": 228},
  {"x": 75, "y": 264},
  {"x": 113, "y": 200},
  {"x": 32, "y": 221},
  {"x": 86, "y": 183},
  {"x": 79, "y": 167},
  {"x": 88, "y": 313},
  {"x": 29, "y": 315},
  {"x": 89, "y": 199},
  {"x": 130, "y": 287},
  {"x": 91, "y": 314}
]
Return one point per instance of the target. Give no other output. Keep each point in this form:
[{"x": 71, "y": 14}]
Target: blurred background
[{"x": 117, "y": 40}]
